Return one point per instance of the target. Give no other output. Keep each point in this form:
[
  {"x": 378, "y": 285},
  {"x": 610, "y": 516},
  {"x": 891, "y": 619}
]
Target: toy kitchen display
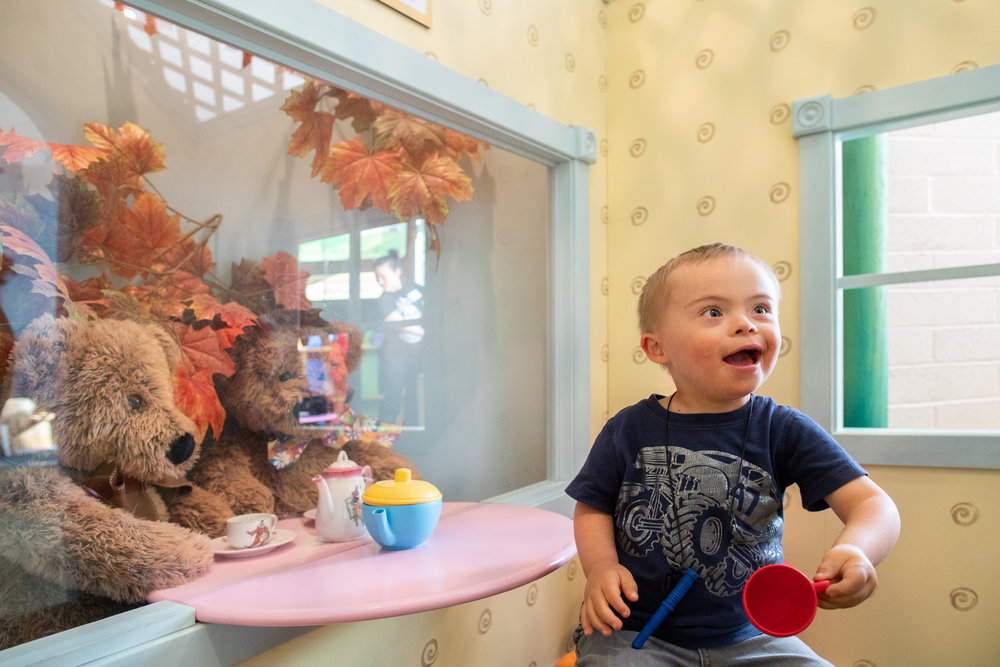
[{"x": 228, "y": 290}]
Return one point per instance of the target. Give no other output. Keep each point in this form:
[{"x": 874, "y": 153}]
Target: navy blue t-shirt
[{"x": 694, "y": 503}]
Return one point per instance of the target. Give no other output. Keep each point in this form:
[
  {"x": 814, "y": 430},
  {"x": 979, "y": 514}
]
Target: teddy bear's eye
[
  {"x": 135, "y": 402},
  {"x": 285, "y": 377}
]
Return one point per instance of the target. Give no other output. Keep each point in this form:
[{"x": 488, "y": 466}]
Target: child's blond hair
[{"x": 653, "y": 299}]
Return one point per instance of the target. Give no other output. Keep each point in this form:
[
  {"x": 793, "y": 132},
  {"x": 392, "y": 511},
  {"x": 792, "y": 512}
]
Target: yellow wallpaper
[{"x": 690, "y": 102}]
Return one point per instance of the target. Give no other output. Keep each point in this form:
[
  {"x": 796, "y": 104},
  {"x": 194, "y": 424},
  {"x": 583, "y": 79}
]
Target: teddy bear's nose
[
  {"x": 181, "y": 449},
  {"x": 313, "y": 405}
]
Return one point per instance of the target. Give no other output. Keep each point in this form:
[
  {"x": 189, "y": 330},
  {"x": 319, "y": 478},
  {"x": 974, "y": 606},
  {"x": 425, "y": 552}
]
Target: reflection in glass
[{"x": 273, "y": 195}]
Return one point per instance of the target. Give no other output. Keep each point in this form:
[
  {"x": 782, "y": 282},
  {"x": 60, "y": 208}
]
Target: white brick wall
[{"x": 944, "y": 337}]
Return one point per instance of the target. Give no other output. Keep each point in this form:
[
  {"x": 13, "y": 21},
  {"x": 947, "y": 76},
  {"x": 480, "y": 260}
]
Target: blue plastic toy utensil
[{"x": 667, "y": 606}]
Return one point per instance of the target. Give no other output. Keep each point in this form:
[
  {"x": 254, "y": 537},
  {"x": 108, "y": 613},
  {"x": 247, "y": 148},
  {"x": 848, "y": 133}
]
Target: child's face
[{"x": 719, "y": 334}]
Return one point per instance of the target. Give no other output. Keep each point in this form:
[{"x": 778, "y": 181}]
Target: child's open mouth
[{"x": 745, "y": 357}]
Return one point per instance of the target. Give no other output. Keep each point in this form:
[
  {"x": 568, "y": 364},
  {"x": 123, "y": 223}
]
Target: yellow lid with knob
[{"x": 403, "y": 490}]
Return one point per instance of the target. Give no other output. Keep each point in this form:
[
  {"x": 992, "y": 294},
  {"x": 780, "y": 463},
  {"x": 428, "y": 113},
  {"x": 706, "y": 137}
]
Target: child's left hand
[{"x": 851, "y": 574}]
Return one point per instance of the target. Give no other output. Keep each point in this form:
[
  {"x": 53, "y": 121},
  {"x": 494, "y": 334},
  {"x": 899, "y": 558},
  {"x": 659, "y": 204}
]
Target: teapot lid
[
  {"x": 401, "y": 491},
  {"x": 342, "y": 467}
]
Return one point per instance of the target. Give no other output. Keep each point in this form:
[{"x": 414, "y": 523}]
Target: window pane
[
  {"x": 241, "y": 179},
  {"x": 935, "y": 196},
  {"x": 942, "y": 369}
]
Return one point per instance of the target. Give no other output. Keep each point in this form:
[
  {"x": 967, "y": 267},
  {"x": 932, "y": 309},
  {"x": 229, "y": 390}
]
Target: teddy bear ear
[
  {"x": 38, "y": 357},
  {"x": 170, "y": 347}
]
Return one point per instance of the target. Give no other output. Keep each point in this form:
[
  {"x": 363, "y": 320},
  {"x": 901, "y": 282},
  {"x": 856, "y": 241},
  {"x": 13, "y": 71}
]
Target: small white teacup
[{"x": 250, "y": 530}]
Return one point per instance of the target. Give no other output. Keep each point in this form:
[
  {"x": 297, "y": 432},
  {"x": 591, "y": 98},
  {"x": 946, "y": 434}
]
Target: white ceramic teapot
[{"x": 338, "y": 514}]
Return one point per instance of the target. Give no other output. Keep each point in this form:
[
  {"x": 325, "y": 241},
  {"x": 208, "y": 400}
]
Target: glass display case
[{"x": 221, "y": 168}]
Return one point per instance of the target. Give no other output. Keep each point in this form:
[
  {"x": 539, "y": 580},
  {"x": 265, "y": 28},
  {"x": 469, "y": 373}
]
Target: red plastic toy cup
[{"x": 780, "y": 600}]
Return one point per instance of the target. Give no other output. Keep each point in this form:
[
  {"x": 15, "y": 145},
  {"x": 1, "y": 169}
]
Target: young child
[{"x": 696, "y": 480}]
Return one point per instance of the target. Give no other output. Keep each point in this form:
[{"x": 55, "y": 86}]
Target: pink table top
[{"x": 477, "y": 550}]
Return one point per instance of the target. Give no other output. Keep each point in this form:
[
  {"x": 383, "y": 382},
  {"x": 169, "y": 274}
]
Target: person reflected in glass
[{"x": 401, "y": 306}]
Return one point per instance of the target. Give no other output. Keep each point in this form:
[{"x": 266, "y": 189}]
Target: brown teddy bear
[
  {"x": 89, "y": 538},
  {"x": 266, "y": 398}
]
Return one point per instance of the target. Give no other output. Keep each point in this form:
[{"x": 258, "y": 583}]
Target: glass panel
[
  {"x": 935, "y": 190},
  {"x": 943, "y": 365},
  {"x": 149, "y": 173},
  {"x": 242, "y": 180}
]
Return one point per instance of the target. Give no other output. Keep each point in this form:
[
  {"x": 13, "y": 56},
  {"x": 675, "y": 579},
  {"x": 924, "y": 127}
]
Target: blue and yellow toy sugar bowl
[{"x": 401, "y": 513}]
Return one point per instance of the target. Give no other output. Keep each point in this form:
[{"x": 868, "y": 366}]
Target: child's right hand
[{"x": 603, "y": 596}]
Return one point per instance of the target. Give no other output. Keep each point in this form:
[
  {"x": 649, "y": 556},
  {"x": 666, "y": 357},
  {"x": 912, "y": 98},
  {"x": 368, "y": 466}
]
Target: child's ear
[{"x": 653, "y": 349}]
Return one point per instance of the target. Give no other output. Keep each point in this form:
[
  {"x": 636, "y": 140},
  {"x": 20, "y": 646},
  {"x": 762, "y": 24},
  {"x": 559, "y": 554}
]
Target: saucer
[
  {"x": 310, "y": 514},
  {"x": 220, "y": 545}
]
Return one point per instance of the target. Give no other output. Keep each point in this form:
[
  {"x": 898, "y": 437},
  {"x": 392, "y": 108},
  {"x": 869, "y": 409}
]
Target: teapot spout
[
  {"x": 379, "y": 527},
  {"x": 325, "y": 497}
]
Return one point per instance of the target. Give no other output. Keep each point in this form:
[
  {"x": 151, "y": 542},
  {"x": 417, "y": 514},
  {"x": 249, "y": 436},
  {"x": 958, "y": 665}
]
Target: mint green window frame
[{"x": 822, "y": 125}]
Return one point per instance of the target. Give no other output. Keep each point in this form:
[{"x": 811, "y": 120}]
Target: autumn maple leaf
[
  {"x": 234, "y": 316},
  {"x": 417, "y": 136},
  {"x": 360, "y": 174},
  {"x": 136, "y": 239},
  {"x": 457, "y": 143},
  {"x": 286, "y": 280},
  {"x": 130, "y": 144},
  {"x": 359, "y": 109},
  {"x": 425, "y": 191},
  {"x": 194, "y": 395},
  {"x": 18, "y": 148}
]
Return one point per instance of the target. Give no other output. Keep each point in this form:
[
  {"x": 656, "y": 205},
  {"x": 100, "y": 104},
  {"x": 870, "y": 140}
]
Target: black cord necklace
[
  {"x": 673, "y": 484},
  {"x": 688, "y": 576}
]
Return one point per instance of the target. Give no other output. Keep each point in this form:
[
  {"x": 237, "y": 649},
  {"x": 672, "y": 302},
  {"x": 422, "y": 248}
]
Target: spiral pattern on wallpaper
[
  {"x": 780, "y": 113},
  {"x": 864, "y": 18},
  {"x": 779, "y": 40},
  {"x": 782, "y": 269},
  {"x": 963, "y": 599},
  {"x": 704, "y": 58},
  {"x": 485, "y": 621},
  {"x": 430, "y": 653},
  {"x": 705, "y": 205},
  {"x": 637, "y": 147},
  {"x": 636, "y": 12},
  {"x": 965, "y": 66},
  {"x": 779, "y": 192},
  {"x": 636, "y": 79},
  {"x": 532, "y": 35},
  {"x": 705, "y": 133},
  {"x": 639, "y": 215},
  {"x": 964, "y": 514}
]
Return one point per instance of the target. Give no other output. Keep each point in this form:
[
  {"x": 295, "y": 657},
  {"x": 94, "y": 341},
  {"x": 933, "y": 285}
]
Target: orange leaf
[
  {"x": 194, "y": 395},
  {"x": 17, "y": 147},
  {"x": 425, "y": 191},
  {"x": 136, "y": 239},
  {"x": 301, "y": 104},
  {"x": 287, "y": 281},
  {"x": 313, "y": 135},
  {"x": 359, "y": 109},
  {"x": 359, "y": 174},
  {"x": 200, "y": 350},
  {"x": 130, "y": 143},
  {"x": 419, "y": 137},
  {"x": 232, "y": 314},
  {"x": 457, "y": 143},
  {"x": 75, "y": 157}
]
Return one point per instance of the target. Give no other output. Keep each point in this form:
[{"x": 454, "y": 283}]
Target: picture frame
[{"x": 418, "y": 10}]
